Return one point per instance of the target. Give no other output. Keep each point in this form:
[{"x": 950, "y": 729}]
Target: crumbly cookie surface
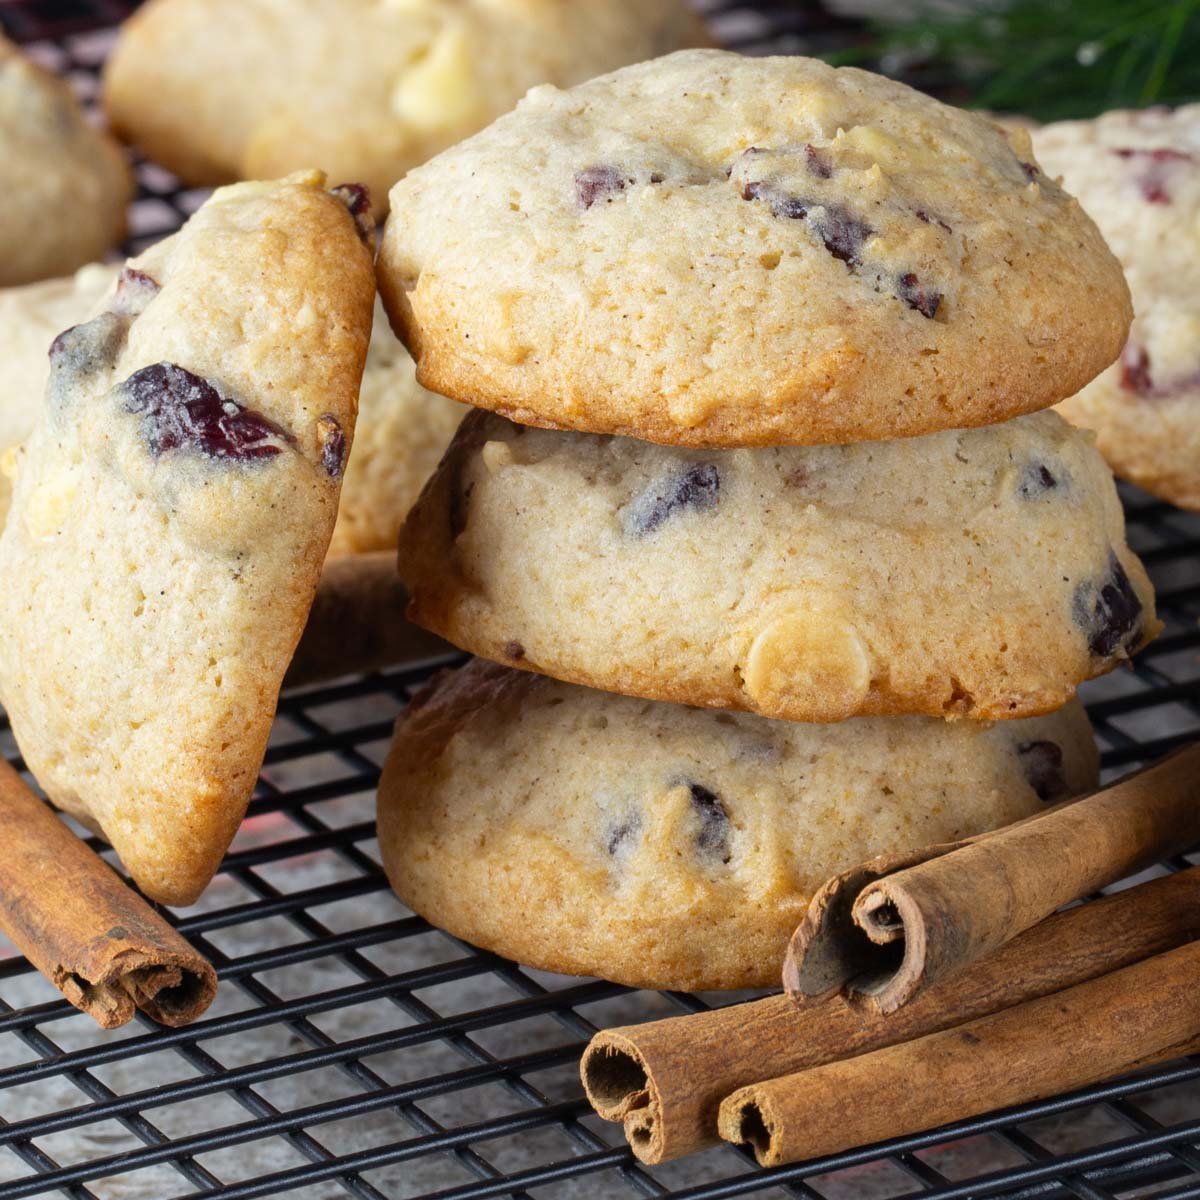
[
  {"x": 671, "y": 847},
  {"x": 981, "y": 573},
  {"x": 1138, "y": 176},
  {"x": 66, "y": 184},
  {"x": 714, "y": 250},
  {"x": 170, "y": 514},
  {"x": 403, "y": 431},
  {"x": 223, "y": 89}
]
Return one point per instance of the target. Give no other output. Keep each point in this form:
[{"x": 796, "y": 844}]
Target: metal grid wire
[{"x": 355, "y": 1051}]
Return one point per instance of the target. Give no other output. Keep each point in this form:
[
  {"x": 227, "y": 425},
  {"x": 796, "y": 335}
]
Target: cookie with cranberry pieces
[
  {"x": 671, "y": 847},
  {"x": 980, "y": 573},
  {"x": 366, "y": 89},
  {"x": 1138, "y": 176},
  {"x": 170, "y": 514},
  {"x": 712, "y": 250},
  {"x": 66, "y": 183}
]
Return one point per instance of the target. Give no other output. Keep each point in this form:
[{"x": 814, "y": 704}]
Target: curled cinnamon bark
[
  {"x": 665, "y": 1080},
  {"x": 93, "y": 937},
  {"x": 885, "y": 930}
]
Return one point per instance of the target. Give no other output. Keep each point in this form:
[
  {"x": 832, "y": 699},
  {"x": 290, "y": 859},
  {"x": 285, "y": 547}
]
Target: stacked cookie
[{"x": 785, "y": 331}]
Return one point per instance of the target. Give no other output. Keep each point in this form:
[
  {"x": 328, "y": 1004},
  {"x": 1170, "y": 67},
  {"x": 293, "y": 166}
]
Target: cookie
[
  {"x": 224, "y": 89},
  {"x": 980, "y": 573},
  {"x": 403, "y": 431},
  {"x": 671, "y": 847},
  {"x": 170, "y": 515},
  {"x": 717, "y": 251},
  {"x": 30, "y": 318},
  {"x": 1138, "y": 175},
  {"x": 66, "y": 184}
]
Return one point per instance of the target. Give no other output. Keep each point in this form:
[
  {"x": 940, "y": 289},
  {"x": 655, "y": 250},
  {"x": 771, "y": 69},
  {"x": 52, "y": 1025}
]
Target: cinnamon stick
[
  {"x": 1143, "y": 1014},
  {"x": 357, "y": 623},
  {"x": 666, "y": 1079},
  {"x": 94, "y": 938},
  {"x": 895, "y": 925}
]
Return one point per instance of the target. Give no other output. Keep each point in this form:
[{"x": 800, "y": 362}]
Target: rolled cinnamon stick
[
  {"x": 666, "y": 1079},
  {"x": 357, "y": 623},
  {"x": 895, "y": 925},
  {"x": 1145, "y": 1013},
  {"x": 94, "y": 938}
]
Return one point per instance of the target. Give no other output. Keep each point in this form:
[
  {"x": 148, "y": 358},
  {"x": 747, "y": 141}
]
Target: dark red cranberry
[
  {"x": 696, "y": 488},
  {"x": 1036, "y": 480},
  {"x": 357, "y": 199},
  {"x": 713, "y": 838},
  {"x": 333, "y": 445},
  {"x": 925, "y": 300},
  {"x": 1030, "y": 169},
  {"x": 1043, "y": 765},
  {"x": 1135, "y": 370},
  {"x": 514, "y": 651},
  {"x": 599, "y": 183},
  {"x": 1111, "y": 614},
  {"x": 1156, "y": 169},
  {"x": 180, "y": 410},
  {"x": 817, "y": 162},
  {"x": 841, "y": 232}
]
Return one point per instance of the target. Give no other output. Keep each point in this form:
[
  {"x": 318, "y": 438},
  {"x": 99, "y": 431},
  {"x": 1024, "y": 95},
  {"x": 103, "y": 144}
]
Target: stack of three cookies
[{"x": 785, "y": 330}]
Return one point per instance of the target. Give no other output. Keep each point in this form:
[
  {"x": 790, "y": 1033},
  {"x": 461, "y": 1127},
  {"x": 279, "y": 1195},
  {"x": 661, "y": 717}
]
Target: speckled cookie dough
[
  {"x": 66, "y": 184},
  {"x": 1138, "y": 175},
  {"x": 713, "y": 250},
  {"x": 365, "y": 89},
  {"x": 670, "y": 847},
  {"x": 169, "y": 519},
  {"x": 980, "y": 573},
  {"x": 403, "y": 431}
]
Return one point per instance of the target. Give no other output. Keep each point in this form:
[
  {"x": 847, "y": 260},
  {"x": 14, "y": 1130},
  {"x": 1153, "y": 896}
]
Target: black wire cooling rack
[{"x": 355, "y": 1051}]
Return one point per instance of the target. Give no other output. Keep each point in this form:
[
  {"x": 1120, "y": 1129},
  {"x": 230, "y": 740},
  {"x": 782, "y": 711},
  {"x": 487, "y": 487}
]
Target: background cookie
[
  {"x": 169, "y": 519},
  {"x": 973, "y": 572},
  {"x": 222, "y": 89},
  {"x": 1138, "y": 176},
  {"x": 715, "y": 250},
  {"x": 670, "y": 847},
  {"x": 66, "y": 184},
  {"x": 30, "y": 319},
  {"x": 403, "y": 431}
]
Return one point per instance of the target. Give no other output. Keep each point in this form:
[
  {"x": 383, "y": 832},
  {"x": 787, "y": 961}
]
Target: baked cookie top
[
  {"x": 980, "y": 573},
  {"x": 1138, "y": 176},
  {"x": 724, "y": 251},
  {"x": 664, "y": 846},
  {"x": 226, "y": 89},
  {"x": 66, "y": 184},
  {"x": 170, "y": 514}
]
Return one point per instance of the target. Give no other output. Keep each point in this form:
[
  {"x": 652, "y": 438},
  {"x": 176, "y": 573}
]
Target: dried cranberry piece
[
  {"x": 333, "y": 445},
  {"x": 713, "y": 838},
  {"x": 1031, "y": 170},
  {"x": 357, "y": 199},
  {"x": 1135, "y": 370},
  {"x": 817, "y": 162},
  {"x": 1111, "y": 614},
  {"x": 180, "y": 410},
  {"x": 1036, "y": 479},
  {"x": 598, "y": 183},
  {"x": 1043, "y": 766},
  {"x": 697, "y": 488},
  {"x": 841, "y": 232},
  {"x": 924, "y": 300},
  {"x": 514, "y": 651}
]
